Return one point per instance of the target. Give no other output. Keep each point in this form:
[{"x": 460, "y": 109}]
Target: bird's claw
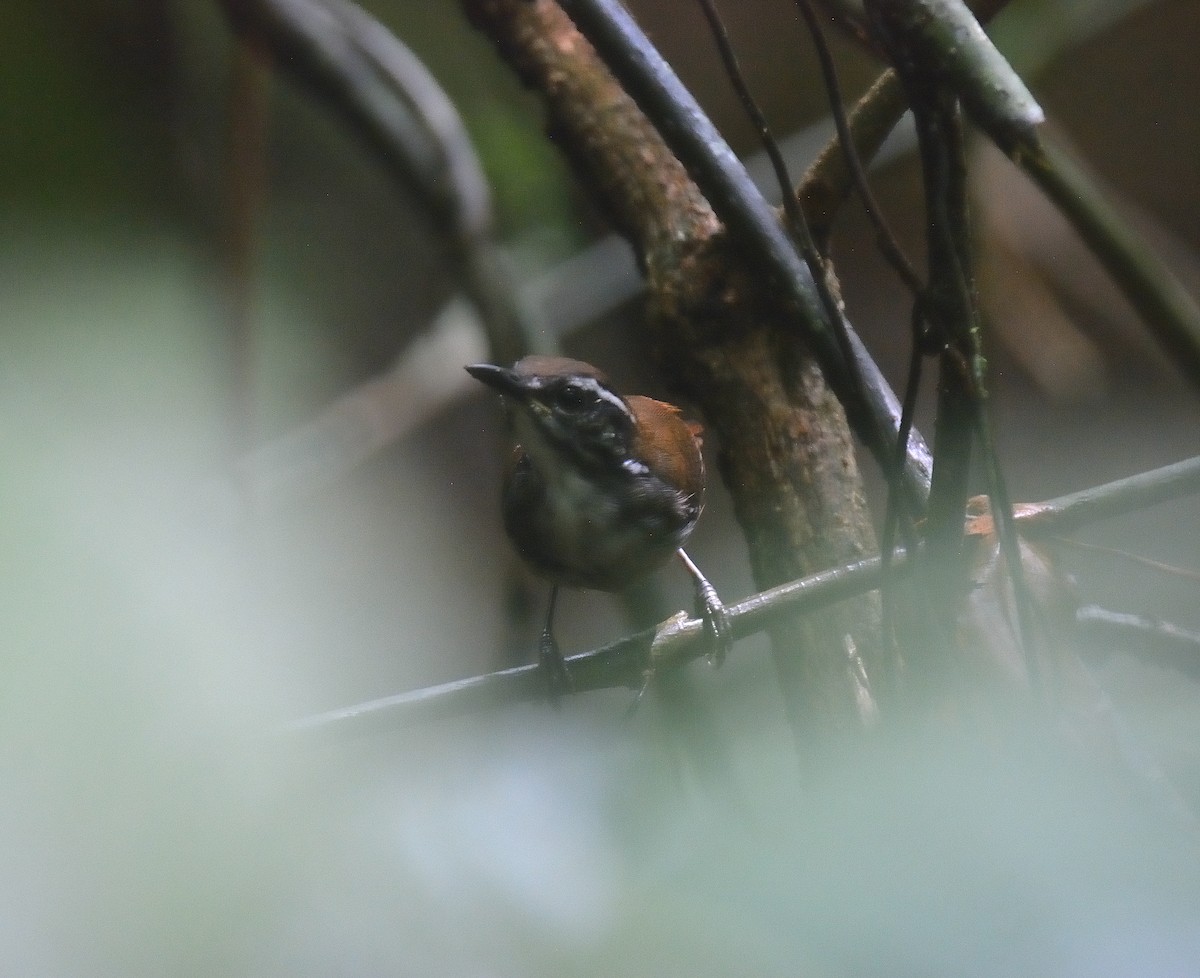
[
  {"x": 553, "y": 667},
  {"x": 710, "y": 608},
  {"x": 717, "y": 627}
]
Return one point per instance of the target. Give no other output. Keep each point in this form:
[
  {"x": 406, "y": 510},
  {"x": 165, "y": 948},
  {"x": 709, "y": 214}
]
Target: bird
[{"x": 601, "y": 488}]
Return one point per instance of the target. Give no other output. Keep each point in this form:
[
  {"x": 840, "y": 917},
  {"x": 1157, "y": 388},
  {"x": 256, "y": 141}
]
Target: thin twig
[
  {"x": 947, "y": 41},
  {"x": 829, "y": 180},
  {"x": 943, "y": 41},
  {"x": 1155, "y": 565},
  {"x": 848, "y": 17},
  {"x": 623, "y": 663},
  {"x": 944, "y": 59},
  {"x": 884, "y": 238},
  {"x": 1067, "y": 513},
  {"x": 890, "y": 248},
  {"x": 757, "y": 118},
  {"x": 619, "y": 664},
  {"x": 1159, "y": 641},
  {"x": 796, "y": 221},
  {"x": 891, "y": 516},
  {"x": 1010, "y": 545}
]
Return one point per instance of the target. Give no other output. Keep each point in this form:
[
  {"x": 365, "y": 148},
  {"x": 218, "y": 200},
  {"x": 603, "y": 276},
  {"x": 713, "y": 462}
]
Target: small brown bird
[{"x": 601, "y": 489}]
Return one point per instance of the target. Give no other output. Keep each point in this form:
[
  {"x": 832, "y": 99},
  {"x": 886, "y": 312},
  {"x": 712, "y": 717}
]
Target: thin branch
[
  {"x": 1067, "y": 513},
  {"x": 680, "y": 639},
  {"x": 1010, "y": 546},
  {"x": 1155, "y": 565},
  {"x": 891, "y": 516},
  {"x": 945, "y": 60},
  {"x": 848, "y": 17},
  {"x": 884, "y": 238},
  {"x": 890, "y": 248},
  {"x": 1159, "y": 641},
  {"x": 793, "y": 214},
  {"x": 825, "y": 187},
  {"x": 757, "y": 118},
  {"x": 943, "y": 40},
  {"x": 837, "y": 170},
  {"x": 620, "y": 664},
  {"x": 947, "y": 41},
  {"x": 829, "y": 179}
]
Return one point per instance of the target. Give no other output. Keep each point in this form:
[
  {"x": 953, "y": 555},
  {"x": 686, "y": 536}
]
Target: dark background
[{"x": 151, "y": 635}]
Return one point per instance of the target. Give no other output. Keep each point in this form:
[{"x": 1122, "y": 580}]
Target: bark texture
[{"x": 719, "y": 337}]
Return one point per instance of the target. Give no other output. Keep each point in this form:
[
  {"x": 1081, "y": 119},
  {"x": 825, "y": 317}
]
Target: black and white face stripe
[
  {"x": 583, "y": 421},
  {"x": 591, "y": 386},
  {"x": 577, "y": 393}
]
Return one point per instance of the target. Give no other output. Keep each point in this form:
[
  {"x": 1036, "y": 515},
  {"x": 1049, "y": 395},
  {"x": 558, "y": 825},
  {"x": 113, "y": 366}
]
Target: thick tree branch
[
  {"x": 723, "y": 328},
  {"x": 865, "y": 395}
]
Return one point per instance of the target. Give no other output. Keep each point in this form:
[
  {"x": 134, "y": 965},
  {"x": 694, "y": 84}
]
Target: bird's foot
[
  {"x": 710, "y": 608},
  {"x": 553, "y": 668},
  {"x": 717, "y": 628}
]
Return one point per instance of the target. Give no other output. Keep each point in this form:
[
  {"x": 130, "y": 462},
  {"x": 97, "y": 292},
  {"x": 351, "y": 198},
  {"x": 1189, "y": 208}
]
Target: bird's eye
[{"x": 572, "y": 397}]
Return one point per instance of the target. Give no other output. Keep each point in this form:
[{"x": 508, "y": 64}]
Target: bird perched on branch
[{"x": 601, "y": 489}]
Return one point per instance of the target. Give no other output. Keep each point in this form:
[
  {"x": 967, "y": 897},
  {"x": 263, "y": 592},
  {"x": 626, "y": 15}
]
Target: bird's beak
[{"x": 501, "y": 379}]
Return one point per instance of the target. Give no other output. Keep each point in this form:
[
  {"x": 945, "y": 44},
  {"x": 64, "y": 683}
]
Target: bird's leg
[
  {"x": 550, "y": 659},
  {"x": 712, "y": 610}
]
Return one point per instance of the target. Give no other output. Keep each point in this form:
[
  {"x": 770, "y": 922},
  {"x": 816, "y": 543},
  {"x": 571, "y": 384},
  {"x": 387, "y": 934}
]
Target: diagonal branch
[
  {"x": 623, "y": 663},
  {"x": 1169, "y": 311}
]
